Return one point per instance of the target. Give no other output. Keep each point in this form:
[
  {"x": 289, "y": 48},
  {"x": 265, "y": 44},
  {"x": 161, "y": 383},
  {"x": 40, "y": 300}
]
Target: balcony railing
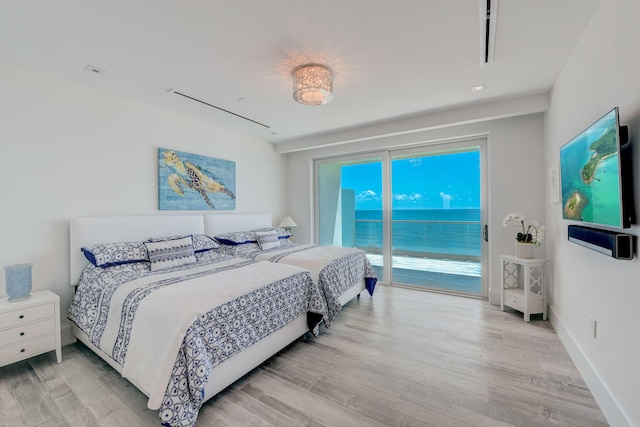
[
  {"x": 436, "y": 239},
  {"x": 432, "y": 253}
]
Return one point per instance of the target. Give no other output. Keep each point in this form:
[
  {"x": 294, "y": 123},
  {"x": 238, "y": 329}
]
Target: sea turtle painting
[{"x": 181, "y": 172}]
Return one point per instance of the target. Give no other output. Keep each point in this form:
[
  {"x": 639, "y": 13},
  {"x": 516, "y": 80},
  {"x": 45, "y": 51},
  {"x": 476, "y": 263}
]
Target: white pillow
[
  {"x": 170, "y": 253},
  {"x": 267, "y": 239}
]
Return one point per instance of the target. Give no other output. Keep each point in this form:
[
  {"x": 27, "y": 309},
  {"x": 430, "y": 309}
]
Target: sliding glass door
[
  {"x": 436, "y": 220},
  {"x": 417, "y": 213}
]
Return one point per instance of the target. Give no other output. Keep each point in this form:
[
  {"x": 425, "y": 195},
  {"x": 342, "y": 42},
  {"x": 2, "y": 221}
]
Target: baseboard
[
  {"x": 609, "y": 406},
  {"x": 66, "y": 334},
  {"x": 494, "y": 296}
]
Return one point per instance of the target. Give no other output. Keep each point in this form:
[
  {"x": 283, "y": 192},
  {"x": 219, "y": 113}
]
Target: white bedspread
[
  {"x": 163, "y": 316},
  {"x": 313, "y": 258},
  {"x": 334, "y": 268}
]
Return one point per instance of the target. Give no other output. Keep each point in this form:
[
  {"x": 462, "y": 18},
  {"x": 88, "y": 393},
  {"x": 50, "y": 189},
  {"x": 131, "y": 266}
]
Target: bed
[
  {"x": 341, "y": 273},
  {"x": 184, "y": 331}
]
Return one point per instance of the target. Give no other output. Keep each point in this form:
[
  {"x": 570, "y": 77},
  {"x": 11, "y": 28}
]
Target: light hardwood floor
[{"x": 400, "y": 358}]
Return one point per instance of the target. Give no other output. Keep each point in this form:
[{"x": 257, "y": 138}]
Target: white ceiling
[{"x": 391, "y": 59}]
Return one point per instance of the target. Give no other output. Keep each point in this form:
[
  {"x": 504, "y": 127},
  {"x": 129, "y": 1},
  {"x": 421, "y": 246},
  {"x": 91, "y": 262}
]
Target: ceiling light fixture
[{"x": 312, "y": 84}]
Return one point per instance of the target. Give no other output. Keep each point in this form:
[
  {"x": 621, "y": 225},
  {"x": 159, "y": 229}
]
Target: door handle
[{"x": 485, "y": 233}]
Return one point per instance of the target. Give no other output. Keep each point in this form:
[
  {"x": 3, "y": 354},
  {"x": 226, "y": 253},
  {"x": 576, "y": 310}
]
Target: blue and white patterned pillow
[
  {"x": 170, "y": 253},
  {"x": 246, "y": 250},
  {"x": 110, "y": 254},
  {"x": 244, "y": 237},
  {"x": 211, "y": 256},
  {"x": 236, "y": 238},
  {"x": 267, "y": 239},
  {"x": 201, "y": 242},
  {"x": 280, "y": 232}
]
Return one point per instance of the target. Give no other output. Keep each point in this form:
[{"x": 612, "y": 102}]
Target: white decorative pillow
[
  {"x": 201, "y": 242},
  {"x": 170, "y": 253},
  {"x": 267, "y": 239}
]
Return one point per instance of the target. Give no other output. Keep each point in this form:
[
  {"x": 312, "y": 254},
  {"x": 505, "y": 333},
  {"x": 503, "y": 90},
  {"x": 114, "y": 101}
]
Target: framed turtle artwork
[{"x": 195, "y": 182}]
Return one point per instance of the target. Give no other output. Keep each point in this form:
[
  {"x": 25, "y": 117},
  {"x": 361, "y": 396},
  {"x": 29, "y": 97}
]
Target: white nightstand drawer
[
  {"x": 514, "y": 298},
  {"x": 26, "y": 332},
  {"x": 26, "y": 314},
  {"x": 26, "y": 349}
]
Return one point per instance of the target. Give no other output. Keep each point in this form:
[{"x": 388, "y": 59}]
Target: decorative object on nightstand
[
  {"x": 524, "y": 250},
  {"x": 523, "y": 285},
  {"x": 287, "y": 223},
  {"x": 30, "y": 327},
  {"x": 18, "y": 281},
  {"x": 528, "y": 237}
]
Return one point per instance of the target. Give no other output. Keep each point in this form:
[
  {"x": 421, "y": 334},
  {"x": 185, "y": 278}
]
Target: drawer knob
[
  {"x": 22, "y": 350},
  {"x": 22, "y": 316},
  {"x": 21, "y": 334}
]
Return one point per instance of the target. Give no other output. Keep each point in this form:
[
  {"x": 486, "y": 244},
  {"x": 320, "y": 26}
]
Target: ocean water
[{"x": 439, "y": 231}]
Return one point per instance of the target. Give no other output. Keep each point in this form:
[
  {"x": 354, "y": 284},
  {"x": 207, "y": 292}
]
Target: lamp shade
[
  {"x": 287, "y": 222},
  {"x": 312, "y": 84}
]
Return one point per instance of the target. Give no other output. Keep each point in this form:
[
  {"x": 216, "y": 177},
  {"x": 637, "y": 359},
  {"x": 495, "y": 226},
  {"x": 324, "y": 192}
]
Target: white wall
[
  {"x": 71, "y": 151},
  {"x": 515, "y": 174},
  {"x": 603, "y": 71}
]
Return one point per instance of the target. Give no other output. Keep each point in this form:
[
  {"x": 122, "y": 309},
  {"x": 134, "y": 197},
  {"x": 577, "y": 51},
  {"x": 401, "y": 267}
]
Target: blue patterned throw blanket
[
  {"x": 169, "y": 329},
  {"x": 334, "y": 268}
]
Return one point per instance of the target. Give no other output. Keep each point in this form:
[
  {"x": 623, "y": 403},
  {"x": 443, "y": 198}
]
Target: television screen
[{"x": 591, "y": 174}]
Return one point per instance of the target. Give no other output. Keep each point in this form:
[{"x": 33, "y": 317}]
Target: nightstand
[
  {"x": 523, "y": 285},
  {"x": 29, "y": 327}
]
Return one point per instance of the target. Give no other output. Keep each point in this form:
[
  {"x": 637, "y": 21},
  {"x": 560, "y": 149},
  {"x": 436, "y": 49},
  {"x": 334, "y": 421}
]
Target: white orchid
[{"x": 533, "y": 233}]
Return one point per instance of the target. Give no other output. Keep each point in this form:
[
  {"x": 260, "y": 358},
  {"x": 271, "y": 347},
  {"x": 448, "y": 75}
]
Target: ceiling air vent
[
  {"x": 216, "y": 107},
  {"x": 489, "y": 16}
]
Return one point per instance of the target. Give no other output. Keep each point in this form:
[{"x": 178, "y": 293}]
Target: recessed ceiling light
[
  {"x": 94, "y": 70},
  {"x": 478, "y": 88}
]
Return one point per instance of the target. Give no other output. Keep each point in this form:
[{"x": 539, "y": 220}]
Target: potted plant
[{"x": 527, "y": 237}]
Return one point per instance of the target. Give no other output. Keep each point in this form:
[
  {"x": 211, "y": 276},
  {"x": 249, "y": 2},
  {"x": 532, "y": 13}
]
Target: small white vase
[{"x": 524, "y": 250}]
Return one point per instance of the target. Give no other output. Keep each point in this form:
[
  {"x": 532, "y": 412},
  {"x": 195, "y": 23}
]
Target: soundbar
[{"x": 611, "y": 243}]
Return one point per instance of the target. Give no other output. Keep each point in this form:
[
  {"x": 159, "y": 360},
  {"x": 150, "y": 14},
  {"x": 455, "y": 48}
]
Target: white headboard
[
  {"x": 87, "y": 231},
  {"x": 218, "y": 224}
]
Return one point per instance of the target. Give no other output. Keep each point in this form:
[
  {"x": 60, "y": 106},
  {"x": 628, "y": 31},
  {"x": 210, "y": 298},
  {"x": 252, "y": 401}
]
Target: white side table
[
  {"x": 29, "y": 327},
  {"x": 523, "y": 285}
]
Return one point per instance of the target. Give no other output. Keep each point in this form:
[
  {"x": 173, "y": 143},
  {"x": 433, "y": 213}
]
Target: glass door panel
[
  {"x": 436, "y": 219},
  {"x": 350, "y": 206}
]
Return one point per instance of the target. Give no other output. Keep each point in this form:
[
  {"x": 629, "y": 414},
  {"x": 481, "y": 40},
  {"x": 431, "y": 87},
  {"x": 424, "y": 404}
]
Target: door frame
[{"x": 479, "y": 141}]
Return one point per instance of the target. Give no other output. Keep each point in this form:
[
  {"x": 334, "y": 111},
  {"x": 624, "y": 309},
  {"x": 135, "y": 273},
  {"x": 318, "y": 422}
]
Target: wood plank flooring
[{"x": 401, "y": 358}]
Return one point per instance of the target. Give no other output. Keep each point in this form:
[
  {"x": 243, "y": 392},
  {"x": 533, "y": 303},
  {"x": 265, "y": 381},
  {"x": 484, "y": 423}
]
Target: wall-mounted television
[{"x": 595, "y": 169}]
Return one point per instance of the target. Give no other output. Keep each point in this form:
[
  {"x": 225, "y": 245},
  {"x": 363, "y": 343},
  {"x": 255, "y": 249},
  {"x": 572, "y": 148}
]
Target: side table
[
  {"x": 523, "y": 285},
  {"x": 29, "y": 327}
]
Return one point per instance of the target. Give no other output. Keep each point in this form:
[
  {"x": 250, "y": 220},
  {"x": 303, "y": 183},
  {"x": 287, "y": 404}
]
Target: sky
[{"x": 444, "y": 181}]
